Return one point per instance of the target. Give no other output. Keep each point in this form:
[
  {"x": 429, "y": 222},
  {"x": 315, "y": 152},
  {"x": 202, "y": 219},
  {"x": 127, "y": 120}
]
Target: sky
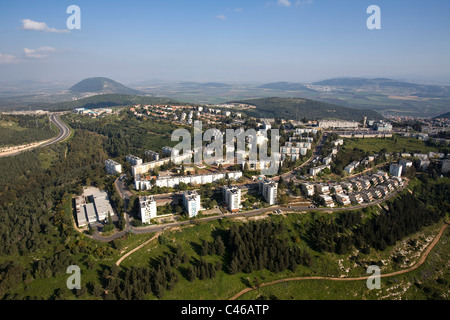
[{"x": 224, "y": 40}]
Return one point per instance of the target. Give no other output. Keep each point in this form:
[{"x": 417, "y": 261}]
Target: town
[{"x": 306, "y": 178}]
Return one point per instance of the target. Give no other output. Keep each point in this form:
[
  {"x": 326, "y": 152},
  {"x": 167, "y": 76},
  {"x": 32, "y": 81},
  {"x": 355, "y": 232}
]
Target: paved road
[
  {"x": 246, "y": 214},
  {"x": 316, "y": 153},
  {"x": 64, "y": 132}
]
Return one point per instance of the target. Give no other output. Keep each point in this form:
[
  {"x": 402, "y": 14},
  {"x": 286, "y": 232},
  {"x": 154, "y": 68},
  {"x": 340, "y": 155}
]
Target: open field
[{"x": 401, "y": 144}]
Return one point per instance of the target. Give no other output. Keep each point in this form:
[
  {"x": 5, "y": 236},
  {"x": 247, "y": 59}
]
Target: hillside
[
  {"x": 107, "y": 100},
  {"x": 387, "y": 86},
  {"x": 298, "y": 108},
  {"x": 287, "y": 86},
  {"x": 101, "y": 85},
  {"x": 443, "y": 116}
]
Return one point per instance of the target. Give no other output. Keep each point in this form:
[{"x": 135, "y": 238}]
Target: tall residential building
[
  {"x": 395, "y": 170},
  {"x": 232, "y": 197},
  {"x": 268, "y": 188},
  {"x": 133, "y": 160},
  {"x": 113, "y": 167},
  {"x": 167, "y": 151},
  {"x": 148, "y": 208},
  {"x": 152, "y": 155},
  {"x": 191, "y": 202}
]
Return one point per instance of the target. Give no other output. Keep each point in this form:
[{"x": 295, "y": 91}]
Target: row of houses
[{"x": 356, "y": 190}]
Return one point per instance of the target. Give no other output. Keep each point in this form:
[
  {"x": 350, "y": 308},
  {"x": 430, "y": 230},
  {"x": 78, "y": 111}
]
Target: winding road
[{"x": 64, "y": 132}]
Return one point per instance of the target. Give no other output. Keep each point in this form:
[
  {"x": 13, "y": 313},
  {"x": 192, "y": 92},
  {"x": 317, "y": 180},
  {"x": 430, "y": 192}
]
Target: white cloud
[
  {"x": 284, "y": 3},
  {"x": 8, "y": 59},
  {"x": 30, "y": 25},
  {"x": 238, "y": 10},
  {"x": 221, "y": 17},
  {"x": 38, "y": 53}
]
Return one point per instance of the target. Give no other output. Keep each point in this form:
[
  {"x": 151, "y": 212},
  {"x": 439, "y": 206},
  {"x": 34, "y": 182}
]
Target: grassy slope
[{"x": 374, "y": 145}]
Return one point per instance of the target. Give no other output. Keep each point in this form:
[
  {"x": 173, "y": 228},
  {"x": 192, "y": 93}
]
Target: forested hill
[
  {"x": 443, "y": 116},
  {"x": 299, "y": 108},
  {"x": 101, "y": 85}
]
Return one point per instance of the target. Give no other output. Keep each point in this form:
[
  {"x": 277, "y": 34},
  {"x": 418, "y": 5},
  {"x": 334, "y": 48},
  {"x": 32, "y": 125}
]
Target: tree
[{"x": 219, "y": 246}]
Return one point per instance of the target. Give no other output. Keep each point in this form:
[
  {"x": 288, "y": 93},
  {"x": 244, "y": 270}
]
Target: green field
[{"x": 395, "y": 144}]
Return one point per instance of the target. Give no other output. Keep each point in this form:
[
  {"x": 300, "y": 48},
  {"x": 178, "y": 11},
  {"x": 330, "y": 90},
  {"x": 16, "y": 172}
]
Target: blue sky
[{"x": 225, "y": 40}]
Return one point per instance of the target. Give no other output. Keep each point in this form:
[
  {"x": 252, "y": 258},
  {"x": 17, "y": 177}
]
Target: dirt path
[
  {"x": 396, "y": 273},
  {"x": 137, "y": 248}
]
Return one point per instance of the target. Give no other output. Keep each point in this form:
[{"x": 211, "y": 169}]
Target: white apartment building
[
  {"x": 367, "y": 196},
  {"x": 316, "y": 170},
  {"x": 309, "y": 189},
  {"x": 405, "y": 164},
  {"x": 395, "y": 170},
  {"x": 232, "y": 197},
  {"x": 325, "y": 124},
  {"x": 327, "y": 160},
  {"x": 133, "y": 160},
  {"x": 343, "y": 199},
  {"x": 113, "y": 167},
  {"x": 148, "y": 166},
  {"x": 347, "y": 186},
  {"x": 152, "y": 155},
  {"x": 191, "y": 202},
  {"x": 172, "y": 181},
  {"x": 268, "y": 188},
  {"x": 322, "y": 189},
  {"x": 356, "y": 197},
  {"x": 169, "y": 150},
  {"x": 148, "y": 209},
  {"x": 327, "y": 200},
  {"x": 337, "y": 188}
]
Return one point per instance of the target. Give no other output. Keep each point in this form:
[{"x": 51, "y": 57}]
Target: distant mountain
[
  {"x": 299, "y": 108},
  {"x": 387, "y": 86},
  {"x": 101, "y": 85},
  {"x": 285, "y": 86},
  {"x": 443, "y": 116}
]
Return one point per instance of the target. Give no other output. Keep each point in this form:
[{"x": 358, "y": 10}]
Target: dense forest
[
  {"x": 23, "y": 129},
  {"x": 128, "y": 135},
  {"x": 35, "y": 209},
  {"x": 263, "y": 245}
]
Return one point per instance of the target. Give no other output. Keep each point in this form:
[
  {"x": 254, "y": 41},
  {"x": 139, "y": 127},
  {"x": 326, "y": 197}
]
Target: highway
[{"x": 64, "y": 132}]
